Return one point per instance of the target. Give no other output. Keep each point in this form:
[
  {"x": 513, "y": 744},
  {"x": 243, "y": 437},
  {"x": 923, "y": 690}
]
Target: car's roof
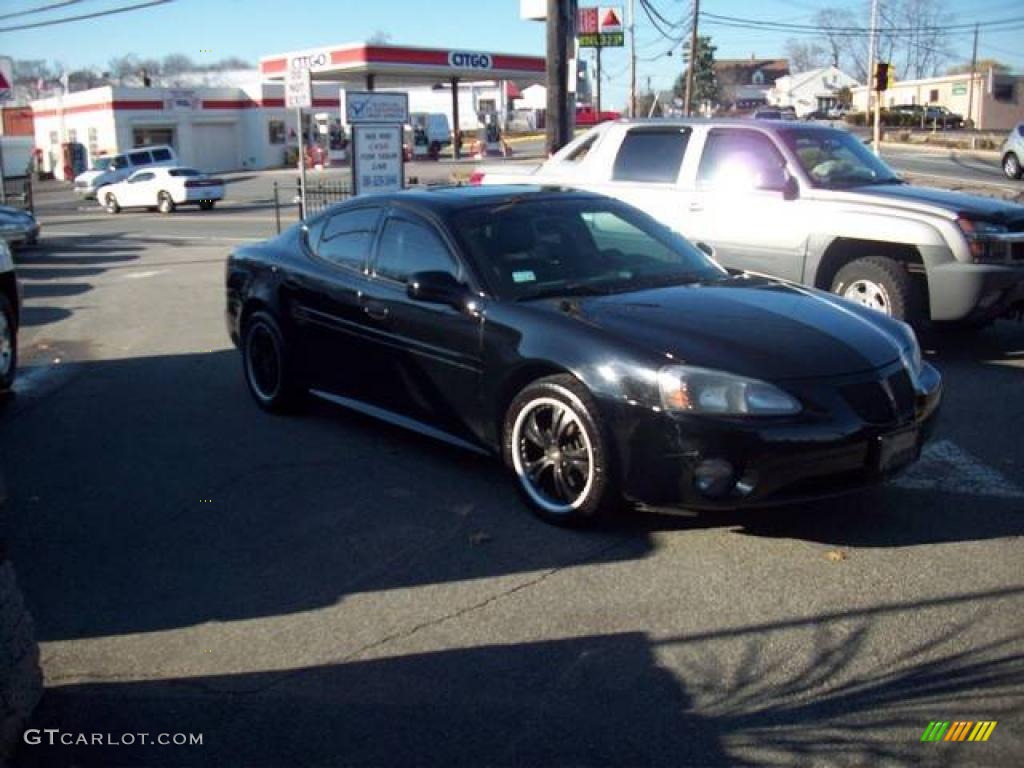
[
  {"x": 671, "y": 122},
  {"x": 450, "y": 198}
]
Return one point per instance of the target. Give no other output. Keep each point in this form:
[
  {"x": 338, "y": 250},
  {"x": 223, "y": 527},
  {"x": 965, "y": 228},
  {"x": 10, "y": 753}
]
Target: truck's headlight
[
  {"x": 976, "y": 234},
  {"x": 699, "y": 390}
]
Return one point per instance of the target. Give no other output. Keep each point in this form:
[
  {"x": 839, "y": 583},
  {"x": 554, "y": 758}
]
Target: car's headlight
[
  {"x": 977, "y": 233},
  {"x": 699, "y": 390}
]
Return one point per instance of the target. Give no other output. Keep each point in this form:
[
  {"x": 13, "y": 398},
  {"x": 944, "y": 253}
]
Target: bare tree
[
  {"x": 380, "y": 37},
  {"x": 983, "y": 65},
  {"x": 805, "y": 56}
]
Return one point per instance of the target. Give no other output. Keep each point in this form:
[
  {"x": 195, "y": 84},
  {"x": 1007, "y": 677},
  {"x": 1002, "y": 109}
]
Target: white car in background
[{"x": 164, "y": 189}]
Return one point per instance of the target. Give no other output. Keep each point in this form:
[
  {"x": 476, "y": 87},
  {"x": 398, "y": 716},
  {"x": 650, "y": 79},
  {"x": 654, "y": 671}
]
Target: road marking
[
  {"x": 140, "y": 275},
  {"x": 946, "y": 468}
]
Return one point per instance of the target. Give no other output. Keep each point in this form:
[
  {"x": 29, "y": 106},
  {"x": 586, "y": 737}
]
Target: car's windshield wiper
[
  {"x": 565, "y": 289},
  {"x": 661, "y": 281}
]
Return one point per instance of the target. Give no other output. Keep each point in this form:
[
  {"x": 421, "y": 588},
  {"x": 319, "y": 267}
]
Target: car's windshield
[
  {"x": 836, "y": 159},
  {"x": 556, "y": 247},
  {"x": 103, "y": 163}
]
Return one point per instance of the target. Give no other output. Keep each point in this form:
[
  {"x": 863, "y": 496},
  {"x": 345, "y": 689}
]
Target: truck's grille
[{"x": 872, "y": 402}]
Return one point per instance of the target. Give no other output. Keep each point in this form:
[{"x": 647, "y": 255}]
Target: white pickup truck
[{"x": 806, "y": 203}]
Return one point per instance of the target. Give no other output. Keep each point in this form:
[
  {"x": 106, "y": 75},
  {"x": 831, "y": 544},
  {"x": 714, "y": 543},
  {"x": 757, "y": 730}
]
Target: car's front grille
[{"x": 882, "y": 401}]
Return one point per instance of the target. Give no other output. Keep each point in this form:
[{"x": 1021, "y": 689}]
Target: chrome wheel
[
  {"x": 263, "y": 362},
  {"x": 552, "y": 455},
  {"x": 870, "y": 294},
  {"x": 112, "y": 204},
  {"x": 164, "y": 203},
  {"x": 1011, "y": 166},
  {"x": 6, "y": 346}
]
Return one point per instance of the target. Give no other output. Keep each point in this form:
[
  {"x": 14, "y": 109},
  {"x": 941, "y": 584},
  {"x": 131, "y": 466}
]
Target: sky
[{"x": 212, "y": 29}]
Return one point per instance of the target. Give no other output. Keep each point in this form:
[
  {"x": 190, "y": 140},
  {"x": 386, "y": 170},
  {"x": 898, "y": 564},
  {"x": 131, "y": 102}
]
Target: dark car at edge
[{"x": 600, "y": 354}]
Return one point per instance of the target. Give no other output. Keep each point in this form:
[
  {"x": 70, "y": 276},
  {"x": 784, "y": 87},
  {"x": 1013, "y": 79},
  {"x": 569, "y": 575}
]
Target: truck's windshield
[{"x": 836, "y": 159}]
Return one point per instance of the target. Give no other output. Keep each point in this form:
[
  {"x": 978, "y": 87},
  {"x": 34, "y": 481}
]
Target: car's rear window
[
  {"x": 184, "y": 172},
  {"x": 140, "y": 158},
  {"x": 161, "y": 155}
]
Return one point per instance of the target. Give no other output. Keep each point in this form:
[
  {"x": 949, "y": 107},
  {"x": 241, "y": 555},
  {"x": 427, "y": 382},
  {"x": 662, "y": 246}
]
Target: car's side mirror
[
  {"x": 437, "y": 287},
  {"x": 706, "y": 248},
  {"x": 780, "y": 180}
]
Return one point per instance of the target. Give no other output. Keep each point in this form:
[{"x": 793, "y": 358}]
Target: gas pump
[
  {"x": 490, "y": 141},
  {"x": 328, "y": 144}
]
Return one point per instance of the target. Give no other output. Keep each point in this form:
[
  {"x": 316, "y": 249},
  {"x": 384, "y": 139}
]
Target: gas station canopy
[{"x": 390, "y": 66}]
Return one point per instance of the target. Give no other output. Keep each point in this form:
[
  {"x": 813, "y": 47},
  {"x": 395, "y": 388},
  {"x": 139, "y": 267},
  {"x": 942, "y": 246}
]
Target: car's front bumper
[
  {"x": 28, "y": 234},
  {"x": 828, "y": 450}
]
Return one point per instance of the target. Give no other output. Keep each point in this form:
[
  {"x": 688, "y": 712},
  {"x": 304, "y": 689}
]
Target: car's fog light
[
  {"x": 746, "y": 484},
  {"x": 714, "y": 477}
]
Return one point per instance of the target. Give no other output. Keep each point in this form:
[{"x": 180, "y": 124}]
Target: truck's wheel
[
  {"x": 881, "y": 284},
  {"x": 1011, "y": 166},
  {"x": 8, "y": 344}
]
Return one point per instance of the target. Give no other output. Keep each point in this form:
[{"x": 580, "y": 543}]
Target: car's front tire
[
  {"x": 8, "y": 344},
  {"x": 1011, "y": 166},
  {"x": 881, "y": 284},
  {"x": 269, "y": 365},
  {"x": 164, "y": 203},
  {"x": 556, "y": 445},
  {"x": 110, "y": 203}
]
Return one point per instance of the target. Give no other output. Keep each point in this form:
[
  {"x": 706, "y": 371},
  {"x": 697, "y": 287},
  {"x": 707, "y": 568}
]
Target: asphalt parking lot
[{"x": 326, "y": 590}]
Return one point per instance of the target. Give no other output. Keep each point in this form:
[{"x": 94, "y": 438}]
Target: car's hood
[
  {"x": 959, "y": 203},
  {"x": 748, "y": 325},
  {"x": 6, "y": 210}
]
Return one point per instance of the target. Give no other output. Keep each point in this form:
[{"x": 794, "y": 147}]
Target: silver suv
[
  {"x": 1013, "y": 152},
  {"x": 807, "y": 203}
]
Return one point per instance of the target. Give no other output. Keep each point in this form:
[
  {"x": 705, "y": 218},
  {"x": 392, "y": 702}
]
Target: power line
[
  {"x": 766, "y": 24},
  {"x": 646, "y": 8},
  {"x": 97, "y": 14},
  {"x": 40, "y": 9}
]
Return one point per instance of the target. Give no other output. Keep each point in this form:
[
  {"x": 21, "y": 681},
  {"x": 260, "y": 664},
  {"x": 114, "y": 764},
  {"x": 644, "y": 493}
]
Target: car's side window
[
  {"x": 140, "y": 158},
  {"x": 739, "y": 159},
  {"x": 407, "y": 247},
  {"x": 347, "y": 237},
  {"x": 142, "y": 177},
  {"x": 651, "y": 155},
  {"x": 161, "y": 155},
  {"x": 118, "y": 162}
]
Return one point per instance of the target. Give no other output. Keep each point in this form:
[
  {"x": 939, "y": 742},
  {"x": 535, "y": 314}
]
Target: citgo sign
[{"x": 465, "y": 60}]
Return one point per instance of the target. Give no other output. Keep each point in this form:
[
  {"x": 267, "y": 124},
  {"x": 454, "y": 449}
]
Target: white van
[
  {"x": 113, "y": 168},
  {"x": 436, "y": 126}
]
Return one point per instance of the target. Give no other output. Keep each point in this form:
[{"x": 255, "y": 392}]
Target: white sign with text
[
  {"x": 375, "y": 107},
  {"x": 377, "y": 162},
  {"x": 298, "y": 89}
]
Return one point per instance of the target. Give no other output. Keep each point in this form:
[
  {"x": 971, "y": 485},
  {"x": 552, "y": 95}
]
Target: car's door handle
[{"x": 375, "y": 310}]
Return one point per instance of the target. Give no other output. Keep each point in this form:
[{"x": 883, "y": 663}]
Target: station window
[
  {"x": 72, "y": 135},
  {"x": 933, "y": 95},
  {"x": 276, "y": 131},
  {"x": 1002, "y": 91},
  {"x": 94, "y": 142},
  {"x": 54, "y": 137}
]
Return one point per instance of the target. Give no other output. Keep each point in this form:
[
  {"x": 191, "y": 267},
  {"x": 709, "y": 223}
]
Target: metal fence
[
  {"x": 318, "y": 196},
  {"x": 17, "y": 192}
]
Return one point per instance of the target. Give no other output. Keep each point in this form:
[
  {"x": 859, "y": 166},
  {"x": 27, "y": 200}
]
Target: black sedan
[{"x": 599, "y": 353}]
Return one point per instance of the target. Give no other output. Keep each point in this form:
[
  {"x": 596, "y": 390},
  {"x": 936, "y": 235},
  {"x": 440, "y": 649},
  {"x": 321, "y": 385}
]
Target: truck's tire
[
  {"x": 1011, "y": 166},
  {"x": 881, "y": 284}
]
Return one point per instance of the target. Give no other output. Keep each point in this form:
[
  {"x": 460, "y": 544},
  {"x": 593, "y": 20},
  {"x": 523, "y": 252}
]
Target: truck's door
[
  {"x": 646, "y": 170},
  {"x": 741, "y": 205}
]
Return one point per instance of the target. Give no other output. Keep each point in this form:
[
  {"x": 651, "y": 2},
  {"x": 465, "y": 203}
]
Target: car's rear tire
[
  {"x": 164, "y": 203},
  {"x": 8, "y": 344},
  {"x": 881, "y": 284},
  {"x": 1011, "y": 166},
  {"x": 555, "y": 443},
  {"x": 206, "y": 205},
  {"x": 110, "y": 203},
  {"x": 269, "y": 365}
]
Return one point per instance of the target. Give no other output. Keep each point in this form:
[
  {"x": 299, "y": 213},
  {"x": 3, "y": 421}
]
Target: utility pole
[
  {"x": 597, "y": 95},
  {"x": 876, "y": 134},
  {"x": 693, "y": 61},
  {"x": 632, "y": 59},
  {"x": 970, "y": 87},
  {"x": 559, "y": 29}
]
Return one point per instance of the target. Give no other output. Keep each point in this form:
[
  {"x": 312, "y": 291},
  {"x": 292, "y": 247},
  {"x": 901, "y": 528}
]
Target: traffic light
[{"x": 881, "y": 76}]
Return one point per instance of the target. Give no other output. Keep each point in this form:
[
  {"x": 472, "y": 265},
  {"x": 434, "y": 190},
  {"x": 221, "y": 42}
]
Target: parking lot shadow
[
  {"x": 803, "y": 691},
  {"x": 153, "y": 494}
]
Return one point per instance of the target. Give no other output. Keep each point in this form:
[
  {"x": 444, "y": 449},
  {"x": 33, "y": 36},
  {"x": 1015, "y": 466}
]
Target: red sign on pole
[{"x": 586, "y": 21}]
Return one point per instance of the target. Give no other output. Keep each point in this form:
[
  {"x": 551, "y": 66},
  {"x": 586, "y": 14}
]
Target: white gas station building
[{"x": 246, "y": 126}]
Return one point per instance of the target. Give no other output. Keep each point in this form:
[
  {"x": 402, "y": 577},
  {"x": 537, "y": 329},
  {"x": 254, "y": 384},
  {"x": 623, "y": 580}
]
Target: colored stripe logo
[{"x": 958, "y": 730}]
